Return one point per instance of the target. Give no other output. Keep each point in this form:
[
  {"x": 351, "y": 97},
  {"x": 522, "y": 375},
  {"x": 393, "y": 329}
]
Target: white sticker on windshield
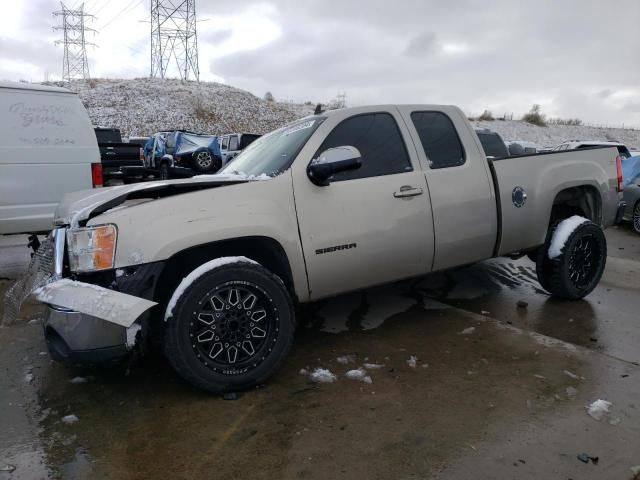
[{"x": 301, "y": 126}]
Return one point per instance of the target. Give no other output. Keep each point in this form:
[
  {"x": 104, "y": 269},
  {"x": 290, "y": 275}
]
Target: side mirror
[{"x": 332, "y": 161}]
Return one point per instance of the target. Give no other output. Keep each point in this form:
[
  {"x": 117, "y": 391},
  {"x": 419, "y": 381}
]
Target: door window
[
  {"x": 439, "y": 139},
  {"x": 379, "y": 141},
  {"x": 233, "y": 143},
  {"x": 225, "y": 143}
]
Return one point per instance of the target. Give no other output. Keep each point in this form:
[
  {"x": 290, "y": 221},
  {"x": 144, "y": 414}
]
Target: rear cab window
[
  {"x": 493, "y": 145},
  {"x": 439, "y": 139},
  {"x": 379, "y": 141}
]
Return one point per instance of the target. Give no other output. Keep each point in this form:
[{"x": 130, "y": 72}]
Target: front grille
[{"x": 40, "y": 272}]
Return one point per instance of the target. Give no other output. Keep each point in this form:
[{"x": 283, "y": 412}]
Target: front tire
[
  {"x": 230, "y": 329},
  {"x": 577, "y": 270}
]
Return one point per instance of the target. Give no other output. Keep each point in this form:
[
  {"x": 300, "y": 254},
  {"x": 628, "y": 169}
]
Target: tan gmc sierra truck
[{"x": 214, "y": 266}]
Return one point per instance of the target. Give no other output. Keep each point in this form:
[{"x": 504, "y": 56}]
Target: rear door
[
  {"x": 371, "y": 225},
  {"x": 460, "y": 184}
]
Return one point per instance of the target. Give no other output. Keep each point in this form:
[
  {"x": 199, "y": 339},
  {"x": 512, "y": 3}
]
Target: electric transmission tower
[
  {"x": 173, "y": 38},
  {"x": 74, "y": 63},
  {"x": 341, "y": 100}
]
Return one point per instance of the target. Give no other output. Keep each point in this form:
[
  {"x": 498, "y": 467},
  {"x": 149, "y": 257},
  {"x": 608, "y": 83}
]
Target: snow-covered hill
[
  {"x": 553, "y": 135},
  {"x": 143, "y": 106}
]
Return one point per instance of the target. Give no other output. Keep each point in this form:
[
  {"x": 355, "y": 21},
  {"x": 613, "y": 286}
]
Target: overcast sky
[{"x": 577, "y": 58}]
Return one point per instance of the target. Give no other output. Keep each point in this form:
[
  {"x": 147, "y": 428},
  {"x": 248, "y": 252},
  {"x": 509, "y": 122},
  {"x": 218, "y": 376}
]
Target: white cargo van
[{"x": 47, "y": 148}]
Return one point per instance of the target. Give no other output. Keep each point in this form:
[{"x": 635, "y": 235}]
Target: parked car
[
  {"x": 47, "y": 149},
  {"x": 231, "y": 145},
  {"x": 183, "y": 154},
  {"x": 214, "y": 265},
  {"x": 631, "y": 175},
  {"x": 577, "y": 144},
  {"x": 116, "y": 156}
]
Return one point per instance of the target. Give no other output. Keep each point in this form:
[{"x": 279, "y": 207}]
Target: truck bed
[{"x": 542, "y": 177}]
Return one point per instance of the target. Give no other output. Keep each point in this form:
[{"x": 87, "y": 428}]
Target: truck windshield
[{"x": 273, "y": 153}]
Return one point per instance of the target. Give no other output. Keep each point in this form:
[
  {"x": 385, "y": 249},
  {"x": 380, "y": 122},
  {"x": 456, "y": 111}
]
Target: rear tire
[
  {"x": 578, "y": 269},
  {"x": 205, "y": 162},
  {"x": 635, "y": 217},
  {"x": 230, "y": 329},
  {"x": 164, "y": 171}
]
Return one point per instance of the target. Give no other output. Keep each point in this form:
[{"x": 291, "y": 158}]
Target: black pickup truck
[{"x": 117, "y": 155}]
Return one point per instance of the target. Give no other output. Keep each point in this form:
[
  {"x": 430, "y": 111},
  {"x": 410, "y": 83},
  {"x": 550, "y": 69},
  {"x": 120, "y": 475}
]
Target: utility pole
[
  {"x": 174, "y": 38},
  {"x": 74, "y": 62}
]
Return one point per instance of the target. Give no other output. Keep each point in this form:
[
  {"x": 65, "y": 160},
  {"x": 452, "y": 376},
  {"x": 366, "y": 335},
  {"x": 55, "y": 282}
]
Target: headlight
[{"x": 92, "y": 248}]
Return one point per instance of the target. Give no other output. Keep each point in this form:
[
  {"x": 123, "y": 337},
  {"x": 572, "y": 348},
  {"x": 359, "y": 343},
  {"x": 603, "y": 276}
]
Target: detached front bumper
[
  {"x": 80, "y": 338},
  {"x": 91, "y": 320},
  {"x": 87, "y": 323}
]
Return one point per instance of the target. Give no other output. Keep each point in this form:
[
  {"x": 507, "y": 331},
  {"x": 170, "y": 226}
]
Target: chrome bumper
[{"x": 77, "y": 337}]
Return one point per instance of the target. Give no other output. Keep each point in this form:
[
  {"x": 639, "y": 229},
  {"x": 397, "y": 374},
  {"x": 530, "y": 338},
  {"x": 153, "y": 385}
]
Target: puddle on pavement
[
  {"x": 606, "y": 320},
  {"x": 149, "y": 423},
  {"x": 408, "y": 422}
]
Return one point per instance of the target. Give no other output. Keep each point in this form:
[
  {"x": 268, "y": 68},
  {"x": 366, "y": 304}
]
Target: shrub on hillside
[
  {"x": 486, "y": 116},
  {"x": 535, "y": 117},
  {"x": 565, "y": 121},
  {"x": 201, "y": 110}
]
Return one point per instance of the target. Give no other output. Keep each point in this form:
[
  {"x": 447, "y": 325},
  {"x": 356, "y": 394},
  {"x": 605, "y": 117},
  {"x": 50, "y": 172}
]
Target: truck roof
[
  {"x": 595, "y": 142},
  {"x": 384, "y": 106},
  {"x": 34, "y": 86}
]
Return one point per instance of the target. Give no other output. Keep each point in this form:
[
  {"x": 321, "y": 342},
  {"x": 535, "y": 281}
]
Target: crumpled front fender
[{"x": 100, "y": 302}]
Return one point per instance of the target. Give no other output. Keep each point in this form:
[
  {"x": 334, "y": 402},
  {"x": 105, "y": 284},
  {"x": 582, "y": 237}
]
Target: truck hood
[{"x": 78, "y": 207}]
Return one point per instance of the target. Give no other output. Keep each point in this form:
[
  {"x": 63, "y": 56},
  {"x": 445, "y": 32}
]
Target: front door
[{"x": 369, "y": 226}]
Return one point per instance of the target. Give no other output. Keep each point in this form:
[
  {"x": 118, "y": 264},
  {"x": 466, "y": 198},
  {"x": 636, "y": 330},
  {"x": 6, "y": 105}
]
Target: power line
[
  {"x": 130, "y": 6},
  {"x": 74, "y": 60}
]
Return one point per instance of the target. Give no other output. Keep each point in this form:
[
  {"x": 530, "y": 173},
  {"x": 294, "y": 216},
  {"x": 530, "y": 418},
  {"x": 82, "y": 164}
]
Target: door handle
[{"x": 407, "y": 191}]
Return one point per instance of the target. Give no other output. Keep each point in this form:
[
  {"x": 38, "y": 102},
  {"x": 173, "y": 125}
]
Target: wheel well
[
  {"x": 583, "y": 200},
  {"x": 264, "y": 250}
]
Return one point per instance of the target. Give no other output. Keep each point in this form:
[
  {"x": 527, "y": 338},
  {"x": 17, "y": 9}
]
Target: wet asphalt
[{"x": 505, "y": 399}]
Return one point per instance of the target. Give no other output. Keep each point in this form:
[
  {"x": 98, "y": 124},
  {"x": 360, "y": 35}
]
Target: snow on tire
[
  {"x": 229, "y": 325},
  {"x": 573, "y": 258}
]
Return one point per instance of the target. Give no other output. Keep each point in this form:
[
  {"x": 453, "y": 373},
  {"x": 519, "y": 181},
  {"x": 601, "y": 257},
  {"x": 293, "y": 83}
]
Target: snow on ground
[
  {"x": 598, "y": 409},
  {"x": 142, "y": 106},
  {"x": 345, "y": 359},
  {"x": 358, "y": 374},
  {"x": 322, "y": 375},
  {"x": 553, "y": 135},
  {"x": 70, "y": 419},
  {"x": 412, "y": 361}
]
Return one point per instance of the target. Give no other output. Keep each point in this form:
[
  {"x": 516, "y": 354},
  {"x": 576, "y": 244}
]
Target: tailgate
[{"x": 115, "y": 155}]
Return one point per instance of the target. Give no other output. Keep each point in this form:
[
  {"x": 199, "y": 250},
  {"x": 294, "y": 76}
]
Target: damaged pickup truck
[{"x": 213, "y": 267}]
